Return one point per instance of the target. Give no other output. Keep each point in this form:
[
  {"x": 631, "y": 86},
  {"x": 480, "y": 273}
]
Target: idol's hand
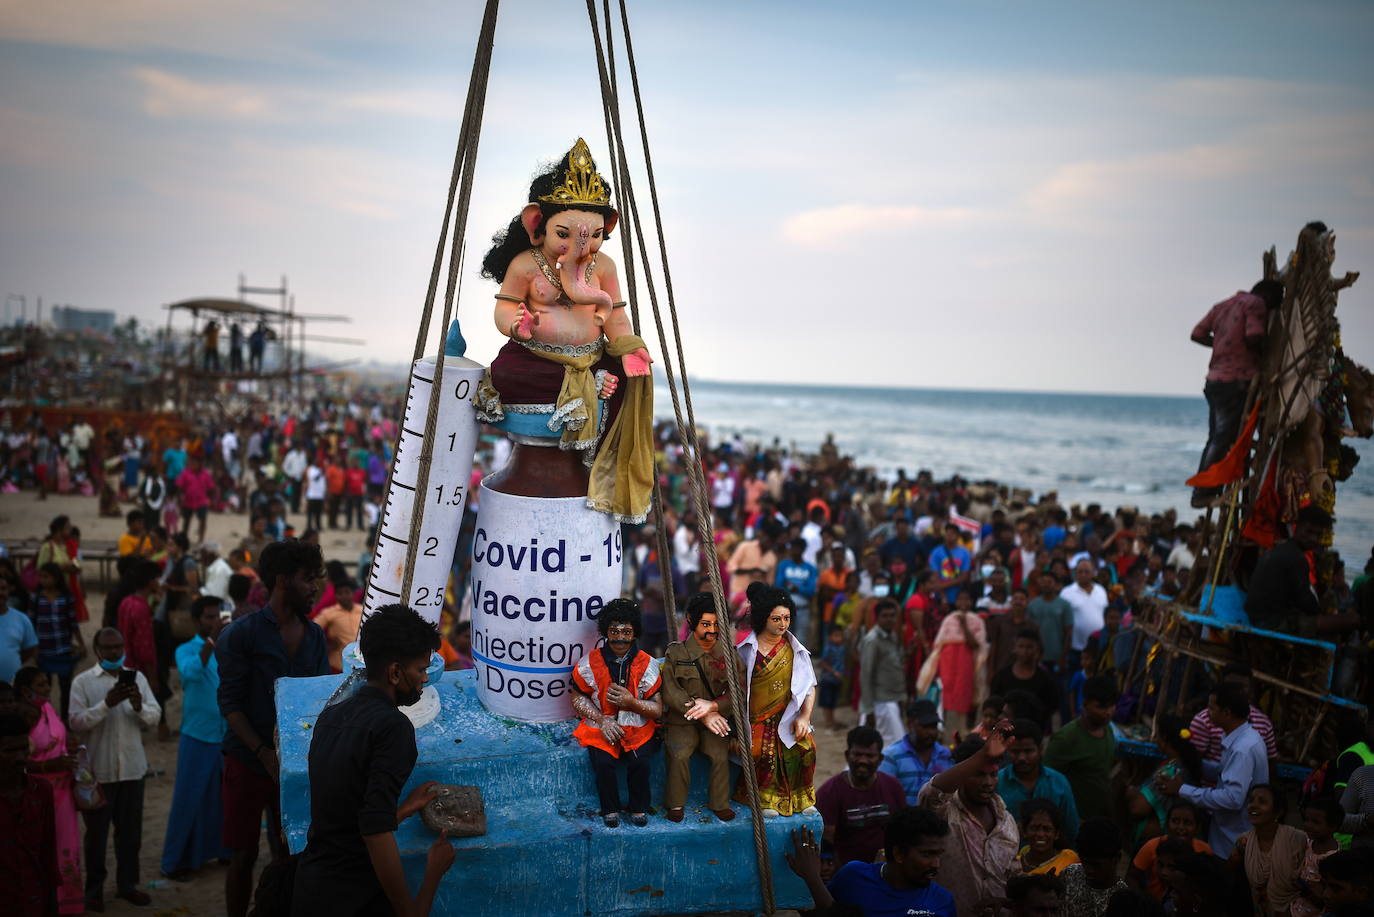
[
  {"x": 522, "y": 329},
  {"x": 636, "y": 363},
  {"x": 801, "y": 727},
  {"x": 608, "y": 386}
]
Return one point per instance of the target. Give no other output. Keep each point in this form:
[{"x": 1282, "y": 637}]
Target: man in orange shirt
[
  {"x": 754, "y": 561},
  {"x": 340, "y": 623},
  {"x": 832, "y": 580}
]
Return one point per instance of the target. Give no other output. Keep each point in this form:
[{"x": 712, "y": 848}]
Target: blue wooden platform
[{"x": 546, "y": 851}]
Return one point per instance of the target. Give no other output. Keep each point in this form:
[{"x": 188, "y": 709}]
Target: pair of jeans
[
  {"x": 124, "y": 810},
  {"x": 636, "y": 762},
  {"x": 1225, "y": 404}
]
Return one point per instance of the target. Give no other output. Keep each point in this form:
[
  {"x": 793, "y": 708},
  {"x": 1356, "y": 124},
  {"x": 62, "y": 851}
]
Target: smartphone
[{"x": 127, "y": 678}]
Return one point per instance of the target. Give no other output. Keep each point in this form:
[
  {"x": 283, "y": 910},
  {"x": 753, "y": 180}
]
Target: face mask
[
  {"x": 986, "y": 570},
  {"x": 881, "y": 590},
  {"x": 112, "y": 666}
]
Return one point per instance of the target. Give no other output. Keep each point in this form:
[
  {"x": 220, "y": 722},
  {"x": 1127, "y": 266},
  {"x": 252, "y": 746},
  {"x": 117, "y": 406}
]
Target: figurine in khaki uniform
[{"x": 696, "y": 710}]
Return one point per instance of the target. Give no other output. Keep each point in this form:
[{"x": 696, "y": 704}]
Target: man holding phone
[{"x": 112, "y": 706}]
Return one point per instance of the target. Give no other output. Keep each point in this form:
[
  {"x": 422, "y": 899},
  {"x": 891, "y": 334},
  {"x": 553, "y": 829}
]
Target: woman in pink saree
[
  {"x": 959, "y": 657},
  {"x": 52, "y": 759}
]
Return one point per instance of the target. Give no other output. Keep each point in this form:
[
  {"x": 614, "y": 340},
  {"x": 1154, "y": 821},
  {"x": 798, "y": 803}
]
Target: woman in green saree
[{"x": 781, "y": 692}]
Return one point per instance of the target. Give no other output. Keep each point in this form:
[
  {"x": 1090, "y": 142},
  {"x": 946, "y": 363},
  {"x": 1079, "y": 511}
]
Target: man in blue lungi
[{"x": 194, "y": 825}]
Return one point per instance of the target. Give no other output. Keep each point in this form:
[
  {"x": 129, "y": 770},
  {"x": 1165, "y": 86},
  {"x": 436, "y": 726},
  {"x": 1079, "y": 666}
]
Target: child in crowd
[
  {"x": 1321, "y": 819},
  {"x": 1090, "y": 883},
  {"x": 1042, "y": 826},
  {"x": 1151, "y": 862},
  {"x": 990, "y": 712},
  {"x": 1348, "y": 882},
  {"x": 1271, "y": 853},
  {"x": 1087, "y": 666},
  {"x": 832, "y": 674}
]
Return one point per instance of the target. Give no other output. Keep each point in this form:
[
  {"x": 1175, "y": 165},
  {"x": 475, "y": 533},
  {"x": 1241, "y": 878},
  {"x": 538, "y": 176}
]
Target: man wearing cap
[{"x": 917, "y": 756}]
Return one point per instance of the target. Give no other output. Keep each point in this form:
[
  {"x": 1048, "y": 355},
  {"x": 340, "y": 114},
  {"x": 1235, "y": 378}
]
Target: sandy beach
[{"x": 23, "y": 516}]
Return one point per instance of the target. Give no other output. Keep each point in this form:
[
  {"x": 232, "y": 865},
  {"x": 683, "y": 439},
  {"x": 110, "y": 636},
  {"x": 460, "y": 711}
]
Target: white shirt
[
  {"x": 686, "y": 549},
  {"x": 1181, "y": 558},
  {"x": 82, "y": 434},
  {"x": 1088, "y": 611},
  {"x": 811, "y": 534},
  {"x": 293, "y": 466},
  {"x": 723, "y": 492},
  {"x": 229, "y": 446},
  {"x": 1244, "y": 763},
  {"x": 315, "y": 485},
  {"x": 217, "y": 579},
  {"x": 114, "y": 736}
]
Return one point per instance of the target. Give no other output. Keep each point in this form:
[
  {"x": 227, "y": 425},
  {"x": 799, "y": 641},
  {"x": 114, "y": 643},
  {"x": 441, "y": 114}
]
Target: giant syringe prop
[{"x": 454, "y": 443}]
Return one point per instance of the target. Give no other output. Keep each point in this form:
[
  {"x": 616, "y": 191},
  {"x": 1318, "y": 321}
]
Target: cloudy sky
[{"x": 968, "y": 195}]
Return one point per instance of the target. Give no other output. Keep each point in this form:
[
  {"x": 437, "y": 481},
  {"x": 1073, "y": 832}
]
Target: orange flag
[{"x": 1232, "y": 465}]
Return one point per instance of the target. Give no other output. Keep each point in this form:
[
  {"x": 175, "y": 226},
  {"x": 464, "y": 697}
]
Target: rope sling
[{"x": 455, "y": 221}]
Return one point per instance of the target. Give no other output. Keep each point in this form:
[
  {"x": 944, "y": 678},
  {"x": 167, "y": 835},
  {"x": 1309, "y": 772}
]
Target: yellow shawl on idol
[{"x": 622, "y": 473}]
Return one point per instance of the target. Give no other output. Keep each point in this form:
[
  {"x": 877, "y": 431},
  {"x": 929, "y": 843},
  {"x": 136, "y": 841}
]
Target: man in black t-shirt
[
  {"x": 1025, "y": 673},
  {"x": 361, "y": 754},
  {"x": 1281, "y": 597}
]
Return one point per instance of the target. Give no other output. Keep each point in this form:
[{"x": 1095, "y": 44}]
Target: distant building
[{"x": 68, "y": 318}]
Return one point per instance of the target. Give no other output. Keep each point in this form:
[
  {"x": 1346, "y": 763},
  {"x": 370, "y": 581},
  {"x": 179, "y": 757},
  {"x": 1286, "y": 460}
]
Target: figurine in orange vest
[{"x": 616, "y": 693}]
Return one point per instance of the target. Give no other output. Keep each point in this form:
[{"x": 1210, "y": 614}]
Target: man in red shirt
[
  {"x": 1234, "y": 329},
  {"x": 195, "y": 485},
  {"x": 355, "y": 485},
  {"x": 334, "y": 479}
]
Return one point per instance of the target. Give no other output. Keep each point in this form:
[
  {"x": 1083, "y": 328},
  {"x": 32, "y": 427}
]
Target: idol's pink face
[{"x": 563, "y": 228}]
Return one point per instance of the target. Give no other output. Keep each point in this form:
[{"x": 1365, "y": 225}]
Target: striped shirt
[
  {"x": 1358, "y": 802},
  {"x": 54, "y": 622},
  {"x": 1206, "y": 737}
]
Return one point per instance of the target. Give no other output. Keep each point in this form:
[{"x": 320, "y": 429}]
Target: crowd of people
[{"x": 978, "y": 640}]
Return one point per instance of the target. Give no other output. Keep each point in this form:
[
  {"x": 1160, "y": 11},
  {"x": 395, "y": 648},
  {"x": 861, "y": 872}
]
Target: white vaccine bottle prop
[
  {"x": 454, "y": 440},
  {"x": 542, "y": 570}
]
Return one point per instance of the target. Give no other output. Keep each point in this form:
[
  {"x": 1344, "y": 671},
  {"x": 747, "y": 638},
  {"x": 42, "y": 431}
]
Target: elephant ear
[
  {"x": 532, "y": 218},
  {"x": 612, "y": 219}
]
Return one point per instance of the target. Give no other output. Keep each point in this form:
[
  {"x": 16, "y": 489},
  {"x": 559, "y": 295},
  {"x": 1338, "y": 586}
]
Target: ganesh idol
[{"x": 572, "y": 387}]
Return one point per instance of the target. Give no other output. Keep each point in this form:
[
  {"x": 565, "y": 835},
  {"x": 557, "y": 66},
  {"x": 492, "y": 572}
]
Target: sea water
[{"x": 1116, "y": 450}]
